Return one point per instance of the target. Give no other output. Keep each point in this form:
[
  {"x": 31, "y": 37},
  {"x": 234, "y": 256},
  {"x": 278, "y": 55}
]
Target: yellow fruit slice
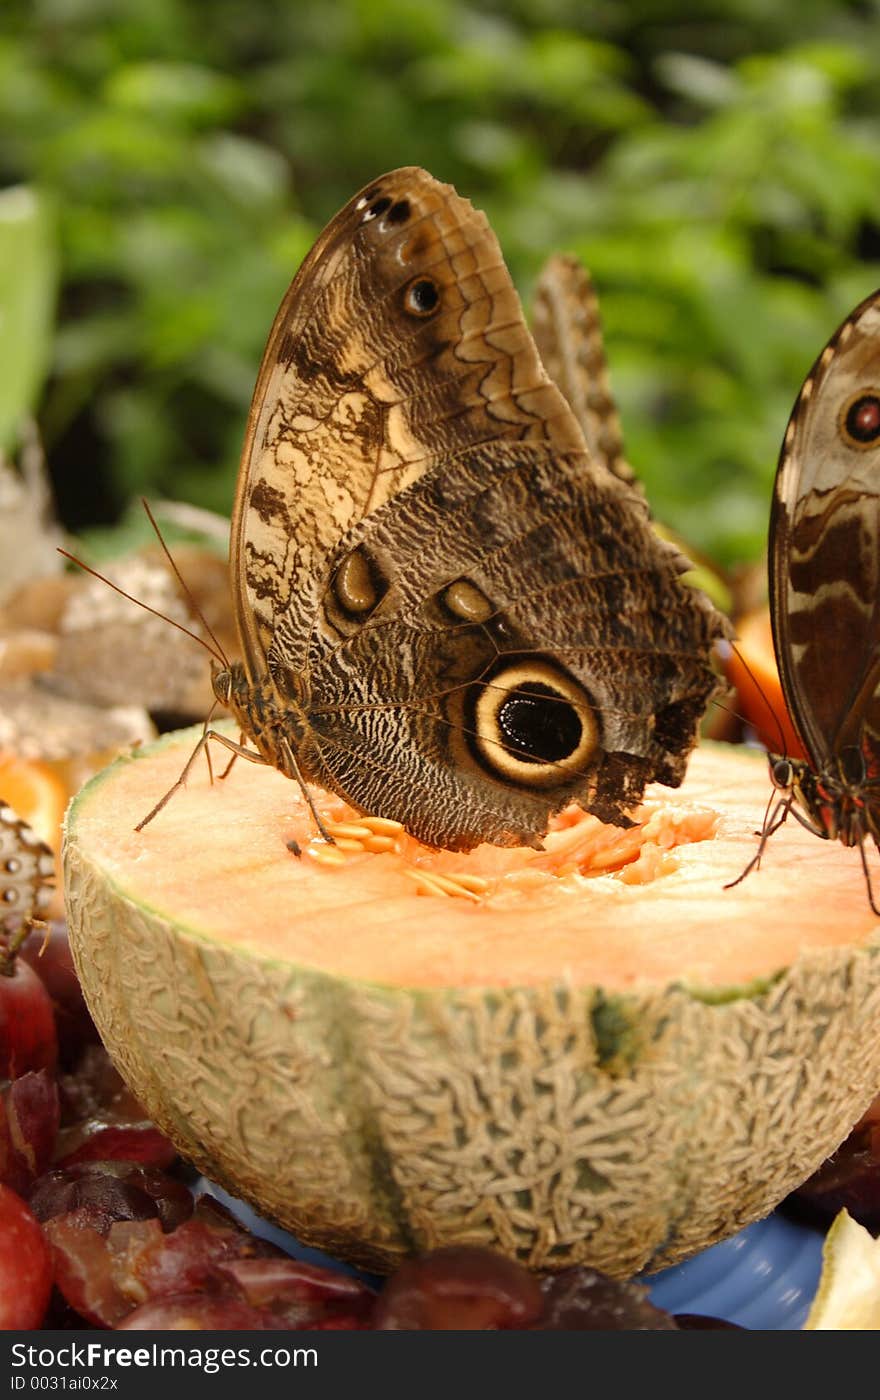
[{"x": 848, "y": 1297}]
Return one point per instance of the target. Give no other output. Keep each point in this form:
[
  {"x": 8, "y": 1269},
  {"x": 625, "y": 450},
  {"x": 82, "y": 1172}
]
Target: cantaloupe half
[{"x": 615, "y": 1068}]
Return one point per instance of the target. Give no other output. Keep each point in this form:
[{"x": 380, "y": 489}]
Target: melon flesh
[{"x": 616, "y": 1068}]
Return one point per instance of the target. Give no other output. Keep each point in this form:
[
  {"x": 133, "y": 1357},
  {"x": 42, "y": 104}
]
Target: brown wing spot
[
  {"x": 399, "y": 212},
  {"x": 415, "y": 246},
  {"x": 466, "y": 602},
  {"x": 358, "y": 586},
  {"x": 269, "y": 503}
]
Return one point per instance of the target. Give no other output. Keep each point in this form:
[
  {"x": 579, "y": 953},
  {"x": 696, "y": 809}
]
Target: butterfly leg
[
  {"x": 867, "y": 874},
  {"x": 228, "y": 769},
  {"x": 290, "y": 759},
  {"x": 772, "y": 822},
  {"x": 238, "y": 750}
]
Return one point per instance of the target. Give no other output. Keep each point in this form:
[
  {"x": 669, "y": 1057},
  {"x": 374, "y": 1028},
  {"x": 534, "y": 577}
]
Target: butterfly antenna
[
  {"x": 177, "y": 574},
  {"x": 216, "y": 651},
  {"x": 763, "y": 694}
]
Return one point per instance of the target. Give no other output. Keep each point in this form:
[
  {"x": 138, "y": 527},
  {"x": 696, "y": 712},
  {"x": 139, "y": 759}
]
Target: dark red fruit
[
  {"x": 25, "y": 1266},
  {"x": 112, "y": 1191},
  {"x": 103, "y": 1121},
  {"x": 48, "y": 953},
  {"x": 293, "y": 1294},
  {"x": 583, "y": 1300},
  {"x": 460, "y": 1288},
  {"x": 29, "y": 1117},
  {"x": 194, "y": 1312},
  {"x": 27, "y": 1024},
  {"x": 105, "y": 1274},
  {"x": 848, "y": 1180}
]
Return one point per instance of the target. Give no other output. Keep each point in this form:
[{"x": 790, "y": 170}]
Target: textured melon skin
[{"x": 560, "y": 1124}]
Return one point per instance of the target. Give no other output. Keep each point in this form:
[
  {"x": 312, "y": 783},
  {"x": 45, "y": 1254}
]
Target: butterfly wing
[
  {"x": 825, "y": 546},
  {"x": 568, "y": 334},
  {"x": 400, "y": 344},
  {"x": 518, "y": 638},
  {"x": 26, "y": 872},
  {"x": 472, "y": 614}
]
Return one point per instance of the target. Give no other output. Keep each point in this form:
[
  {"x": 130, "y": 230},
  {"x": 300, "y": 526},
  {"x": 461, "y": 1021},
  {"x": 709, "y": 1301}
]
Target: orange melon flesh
[
  {"x": 613, "y": 1068},
  {"x": 533, "y": 924}
]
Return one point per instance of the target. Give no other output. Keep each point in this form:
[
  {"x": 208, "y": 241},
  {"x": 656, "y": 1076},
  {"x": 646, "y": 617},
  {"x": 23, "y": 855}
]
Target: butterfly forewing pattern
[
  {"x": 451, "y": 613},
  {"x": 825, "y": 587}
]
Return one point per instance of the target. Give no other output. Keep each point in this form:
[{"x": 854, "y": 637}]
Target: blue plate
[{"x": 764, "y": 1278}]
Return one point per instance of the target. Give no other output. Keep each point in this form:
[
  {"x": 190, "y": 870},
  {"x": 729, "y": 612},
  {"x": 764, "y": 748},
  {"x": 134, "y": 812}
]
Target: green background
[{"x": 716, "y": 166}]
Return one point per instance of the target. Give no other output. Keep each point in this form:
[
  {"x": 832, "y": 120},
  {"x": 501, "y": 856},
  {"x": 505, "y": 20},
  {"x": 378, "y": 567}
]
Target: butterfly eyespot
[
  {"x": 358, "y": 585},
  {"x": 533, "y": 725},
  {"x": 376, "y": 209},
  {"x": 465, "y": 601},
  {"x": 399, "y": 212},
  {"x": 12, "y": 866},
  {"x": 421, "y": 297},
  {"x": 860, "y": 420}
]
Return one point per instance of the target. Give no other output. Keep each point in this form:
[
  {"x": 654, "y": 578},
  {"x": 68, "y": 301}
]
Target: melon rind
[{"x": 561, "y": 1124}]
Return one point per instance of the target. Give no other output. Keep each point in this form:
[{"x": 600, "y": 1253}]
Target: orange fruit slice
[
  {"x": 36, "y": 794},
  {"x": 751, "y": 667}
]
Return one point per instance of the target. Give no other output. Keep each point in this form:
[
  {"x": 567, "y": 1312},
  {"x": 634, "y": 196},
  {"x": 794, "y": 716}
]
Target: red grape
[
  {"x": 84, "y": 1267},
  {"x": 48, "y": 953},
  {"x": 293, "y": 1294},
  {"x": 112, "y": 1191},
  {"x": 27, "y": 1024},
  {"x": 459, "y": 1288},
  {"x": 28, "y": 1128},
  {"x": 25, "y": 1266},
  {"x": 581, "y": 1299},
  {"x": 194, "y": 1312},
  {"x": 103, "y": 1121}
]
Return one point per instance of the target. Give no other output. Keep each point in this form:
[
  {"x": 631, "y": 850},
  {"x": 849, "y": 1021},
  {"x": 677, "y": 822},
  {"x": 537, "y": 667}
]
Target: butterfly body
[
  {"x": 825, "y": 588},
  {"x": 451, "y": 614}
]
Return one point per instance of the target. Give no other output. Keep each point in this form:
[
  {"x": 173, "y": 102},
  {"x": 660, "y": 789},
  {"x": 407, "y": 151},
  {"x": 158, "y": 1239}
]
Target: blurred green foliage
[{"x": 716, "y": 166}]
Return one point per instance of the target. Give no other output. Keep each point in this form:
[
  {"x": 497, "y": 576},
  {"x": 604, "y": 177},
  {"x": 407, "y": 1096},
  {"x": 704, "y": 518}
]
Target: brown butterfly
[
  {"x": 26, "y": 873},
  {"x": 825, "y": 592},
  {"x": 451, "y": 613}
]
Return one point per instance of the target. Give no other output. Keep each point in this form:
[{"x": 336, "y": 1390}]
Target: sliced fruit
[
  {"x": 848, "y": 1297},
  {"x": 750, "y": 666},
  {"x": 389, "y": 1048},
  {"x": 25, "y": 1266},
  {"x": 36, "y": 793}
]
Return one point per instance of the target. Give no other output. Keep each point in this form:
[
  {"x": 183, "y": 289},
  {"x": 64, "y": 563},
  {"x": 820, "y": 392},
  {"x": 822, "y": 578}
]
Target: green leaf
[{"x": 27, "y": 299}]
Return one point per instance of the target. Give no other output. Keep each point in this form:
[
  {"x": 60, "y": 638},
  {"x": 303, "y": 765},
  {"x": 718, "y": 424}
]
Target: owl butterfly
[
  {"x": 451, "y": 613},
  {"x": 825, "y": 592},
  {"x": 26, "y": 871}
]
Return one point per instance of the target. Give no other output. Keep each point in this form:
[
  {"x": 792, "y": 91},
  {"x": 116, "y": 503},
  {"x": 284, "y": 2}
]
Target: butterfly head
[{"x": 221, "y": 682}]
